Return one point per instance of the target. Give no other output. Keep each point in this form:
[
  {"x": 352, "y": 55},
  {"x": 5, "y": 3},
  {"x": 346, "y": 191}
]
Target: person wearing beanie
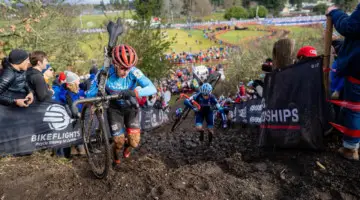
[
  {"x": 58, "y": 86},
  {"x": 35, "y": 76},
  {"x": 70, "y": 94},
  {"x": 14, "y": 90},
  {"x": 48, "y": 73}
]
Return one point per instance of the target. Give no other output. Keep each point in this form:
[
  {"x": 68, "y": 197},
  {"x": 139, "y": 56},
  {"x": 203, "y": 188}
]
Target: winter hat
[
  {"x": 71, "y": 77},
  {"x": 62, "y": 77},
  {"x": 17, "y": 56},
  {"x": 307, "y": 51},
  {"x": 48, "y": 66}
]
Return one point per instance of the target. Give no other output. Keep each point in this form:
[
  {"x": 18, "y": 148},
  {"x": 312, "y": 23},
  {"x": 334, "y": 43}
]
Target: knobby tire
[{"x": 92, "y": 136}]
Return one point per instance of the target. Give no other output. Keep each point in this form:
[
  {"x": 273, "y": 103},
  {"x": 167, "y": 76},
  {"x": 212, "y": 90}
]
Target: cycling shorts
[
  {"x": 122, "y": 118},
  {"x": 208, "y": 115}
]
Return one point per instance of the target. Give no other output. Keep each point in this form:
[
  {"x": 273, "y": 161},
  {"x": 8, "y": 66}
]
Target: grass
[
  {"x": 236, "y": 36},
  {"x": 182, "y": 38},
  {"x": 98, "y": 21}
]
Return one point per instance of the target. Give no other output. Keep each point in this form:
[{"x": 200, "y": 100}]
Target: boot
[
  {"x": 201, "y": 138},
  {"x": 81, "y": 150},
  {"x": 74, "y": 151},
  {"x": 127, "y": 151},
  {"x": 210, "y": 136},
  {"x": 350, "y": 154}
]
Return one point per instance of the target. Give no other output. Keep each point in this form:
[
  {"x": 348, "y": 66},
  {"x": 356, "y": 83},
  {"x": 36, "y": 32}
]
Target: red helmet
[
  {"x": 124, "y": 55},
  {"x": 179, "y": 73}
]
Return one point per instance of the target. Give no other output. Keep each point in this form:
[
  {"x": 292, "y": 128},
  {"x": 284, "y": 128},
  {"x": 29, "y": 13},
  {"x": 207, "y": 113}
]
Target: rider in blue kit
[
  {"x": 206, "y": 100},
  {"x": 124, "y": 78}
]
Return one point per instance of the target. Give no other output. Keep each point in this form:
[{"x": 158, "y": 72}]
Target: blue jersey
[
  {"x": 115, "y": 84},
  {"x": 204, "y": 103}
]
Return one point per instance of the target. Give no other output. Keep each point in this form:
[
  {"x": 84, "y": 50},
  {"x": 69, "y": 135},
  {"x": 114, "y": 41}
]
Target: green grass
[
  {"x": 298, "y": 31},
  {"x": 182, "y": 38},
  {"x": 98, "y": 21},
  {"x": 236, "y": 36}
]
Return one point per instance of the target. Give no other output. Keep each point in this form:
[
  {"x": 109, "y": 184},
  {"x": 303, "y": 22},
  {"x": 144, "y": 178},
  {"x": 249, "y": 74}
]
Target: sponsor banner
[
  {"x": 49, "y": 125},
  {"x": 293, "y": 107},
  {"x": 248, "y": 112}
]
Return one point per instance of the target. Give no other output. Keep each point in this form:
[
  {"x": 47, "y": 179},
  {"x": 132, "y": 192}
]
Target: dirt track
[{"x": 177, "y": 166}]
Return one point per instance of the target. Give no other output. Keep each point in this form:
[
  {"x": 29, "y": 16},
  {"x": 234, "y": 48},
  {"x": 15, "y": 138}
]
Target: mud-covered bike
[
  {"x": 181, "y": 114},
  {"x": 94, "y": 127}
]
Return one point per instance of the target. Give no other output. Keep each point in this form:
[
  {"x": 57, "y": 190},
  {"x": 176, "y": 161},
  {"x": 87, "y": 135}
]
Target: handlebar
[
  {"x": 75, "y": 110},
  {"x": 182, "y": 95}
]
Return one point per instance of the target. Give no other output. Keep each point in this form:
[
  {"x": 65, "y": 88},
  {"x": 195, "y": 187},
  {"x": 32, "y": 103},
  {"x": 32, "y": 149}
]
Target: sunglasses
[{"x": 122, "y": 68}]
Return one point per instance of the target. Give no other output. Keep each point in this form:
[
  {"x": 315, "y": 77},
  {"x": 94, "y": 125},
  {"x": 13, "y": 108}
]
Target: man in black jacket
[
  {"x": 35, "y": 77},
  {"x": 14, "y": 90}
]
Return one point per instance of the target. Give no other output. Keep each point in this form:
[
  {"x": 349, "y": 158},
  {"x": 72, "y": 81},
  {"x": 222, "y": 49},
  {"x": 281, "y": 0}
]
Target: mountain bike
[
  {"x": 181, "y": 114},
  {"x": 94, "y": 127}
]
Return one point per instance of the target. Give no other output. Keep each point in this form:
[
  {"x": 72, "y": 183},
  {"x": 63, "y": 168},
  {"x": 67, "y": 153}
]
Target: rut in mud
[{"x": 177, "y": 166}]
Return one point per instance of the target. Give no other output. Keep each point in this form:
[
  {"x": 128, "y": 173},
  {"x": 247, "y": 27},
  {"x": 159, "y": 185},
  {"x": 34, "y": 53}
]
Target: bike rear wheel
[
  {"x": 181, "y": 118},
  {"x": 96, "y": 141}
]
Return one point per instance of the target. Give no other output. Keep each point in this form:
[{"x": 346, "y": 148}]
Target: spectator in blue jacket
[
  {"x": 348, "y": 67},
  {"x": 72, "y": 93},
  {"x": 58, "y": 86},
  {"x": 337, "y": 82}
]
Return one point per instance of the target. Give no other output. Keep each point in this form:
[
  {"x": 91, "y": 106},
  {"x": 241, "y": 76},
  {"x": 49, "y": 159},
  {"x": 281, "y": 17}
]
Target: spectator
[
  {"x": 283, "y": 53},
  {"x": 35, "y": 77},
  {"x": 72, "y": 91},
  {"x": 306, "y": 53},
  {"x": 336, "y": 83},
  {"x": 347, "y": 66},
  {"x": 48, "y": 73},
  {"x": 93, "y": 71},
  {"x": 13, "y": 87},
  {"x": 58, "y": 86},
  {"x": 68, "y": 96}
]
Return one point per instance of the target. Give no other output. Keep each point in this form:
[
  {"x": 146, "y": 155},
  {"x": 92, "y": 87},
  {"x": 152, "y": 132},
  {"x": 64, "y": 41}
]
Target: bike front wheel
[{"x": 96, "y": 141}]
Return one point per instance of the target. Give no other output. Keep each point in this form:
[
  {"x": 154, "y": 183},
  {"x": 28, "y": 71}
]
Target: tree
[
  {"x": 236, "y": 12},
  {"x": 148, "y": 43},
  {"x": 147, "y": 8},
  {"x": 262, "y": 12},
  {"x": 275, "y": 6},
  {"x": 202, "y": 8},
  {"x": 38, "y": 27},
  {"x": 346, "y": 5},
  {"x": 320, "y": 9}
]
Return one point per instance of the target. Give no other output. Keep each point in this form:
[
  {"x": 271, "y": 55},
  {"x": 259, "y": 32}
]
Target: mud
[{"x": 178, "y": 166}]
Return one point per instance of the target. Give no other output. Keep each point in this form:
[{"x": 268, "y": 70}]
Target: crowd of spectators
[{"x": 209, "y": 55}]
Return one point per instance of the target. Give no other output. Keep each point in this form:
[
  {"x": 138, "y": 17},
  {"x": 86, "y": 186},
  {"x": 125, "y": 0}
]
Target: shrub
[
  {"x": 262, "y": 12},
  {"x": 236, "y": 12}
]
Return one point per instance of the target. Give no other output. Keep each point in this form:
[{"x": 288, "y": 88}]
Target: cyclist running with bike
[
  {"x": 206, "y": 100},
  {"x": 123, "y": 78}
]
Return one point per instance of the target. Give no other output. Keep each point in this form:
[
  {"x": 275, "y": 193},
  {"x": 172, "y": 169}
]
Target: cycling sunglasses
[{"x": 122, "y": 68}]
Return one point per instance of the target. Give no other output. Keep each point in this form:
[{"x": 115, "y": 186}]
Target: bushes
[
  {"x": 236, "y": 12},
  {"x": 240, "y": 12},
  {"x": 262, "y": 12},
  {"x": 320, "y": 9}
]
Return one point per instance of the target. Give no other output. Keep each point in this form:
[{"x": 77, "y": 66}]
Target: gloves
[
  {"x": 195, "y": 109},
  {"x": 127, "y": 94}
]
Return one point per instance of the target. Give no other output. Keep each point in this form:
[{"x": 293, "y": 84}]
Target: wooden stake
[{"x": 327, "y": 51}]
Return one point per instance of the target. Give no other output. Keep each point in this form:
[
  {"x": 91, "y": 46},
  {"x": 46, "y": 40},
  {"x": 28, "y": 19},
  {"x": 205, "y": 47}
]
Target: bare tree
[{"x": 202, "y": 7}]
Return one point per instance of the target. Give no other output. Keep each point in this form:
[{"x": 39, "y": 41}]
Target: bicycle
[
  {"x": 96, "y": 141},
  {"x": 180, "y": 116}
]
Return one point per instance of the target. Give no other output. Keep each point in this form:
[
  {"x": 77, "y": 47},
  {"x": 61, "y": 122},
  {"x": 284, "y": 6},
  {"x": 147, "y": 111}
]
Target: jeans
[{"x": 351, "y": 119}]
